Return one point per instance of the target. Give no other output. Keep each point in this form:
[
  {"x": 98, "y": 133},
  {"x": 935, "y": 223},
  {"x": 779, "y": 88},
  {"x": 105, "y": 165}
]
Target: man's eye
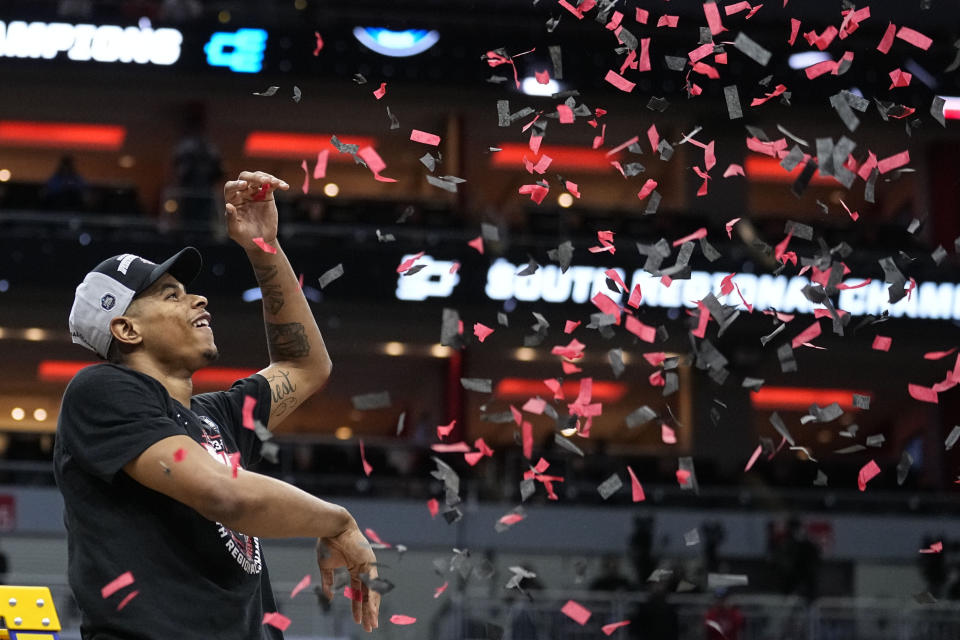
[{"x": 172, "y": 295}]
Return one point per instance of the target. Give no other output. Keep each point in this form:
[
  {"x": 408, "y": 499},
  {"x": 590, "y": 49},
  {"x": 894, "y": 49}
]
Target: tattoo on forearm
[
  {"x": 272, "y": 298},
  {"x": 281, "y": 390},
  {"x": 265, "y": 273},
  {"x": 287, "y": 340}
]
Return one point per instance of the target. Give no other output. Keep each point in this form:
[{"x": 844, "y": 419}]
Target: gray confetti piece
[
  {"x": 709, "y": 251},
  {"x": 359, "y": 79},
  {"x": 269, "y": 92},
  {"x": 530, "y": 269},
  {"x": 658, "y": 104},
  {"x": 270, "y": 452},
  {"x": 821, "y": 479},
  {"x": 490, "y": 232},
  {"x": 502, "y": 319},
  {"x": 394, "y": 121},
  {"x": 615, "y": 357},
  {"x": 861, "y": 401},
  {"x": 500, "y": 527},
  {"x": 565, "y": 443},
  {"x": 803, "y": 180},
  {"x": 371, "y": 401},
  {"x": 732, "y": 97},
  {"x": 330, "y": 275},
  {"x": 450, "y": 329},
  {"x": 788, "y": 363},
  {"x": 781, "y": 428},
  {"x": 753, "y": 384},
  {"x": 562, "y": 255},
  {"x": 297, "y": 94},
  {"x": 782, "y": 129},
  {"x": 415, "y": 269},
  {"x": 843, "y": 109},
  {"x": 726, "y": 580},
  {"x": 686, "y": 464},
  {"x": 691, "y": 538},
  {"x": 446, "y": 185},
  {"x": 482, "y": 385},
  {"x": 851, "y": 449},
  {"x": 751, "y": 49},
  {"x": 653, "y": 203},
  {"x": 952, "y": 438},
  {"x": 936, "y": 110},
  {"x": 429, "y": 162},
  {"x": 675, "y": 63},
  {"x": 385, "y": 237},
  {"x": 799, "y": 230},
  {"x": 527, "y": 489},
  {"x": 938, "y": 255},
  {"x": 640, "y": 416},
  {"x": 503, "y": 113},
  {"x": 792, "y": 159},
  {"x": 876, "y": 440},
  {"x": 556, "y": 57},
  {"x": 903, "y": 467},
  {"x": 925, "y": 597},
  {"x": 609, "y": 486},
  {"x": 400, "y": 422},
  {"x": 770, "y": 336}
]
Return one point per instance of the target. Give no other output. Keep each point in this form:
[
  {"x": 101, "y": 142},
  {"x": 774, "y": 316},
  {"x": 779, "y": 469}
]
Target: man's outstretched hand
[
  {"x": 251, "y": 210},
  {"x": 351, "y": 549}
]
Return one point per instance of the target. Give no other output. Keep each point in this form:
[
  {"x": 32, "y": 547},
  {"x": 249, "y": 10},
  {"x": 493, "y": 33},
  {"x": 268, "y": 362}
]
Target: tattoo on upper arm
[
  {"x": 282, "y": 392},
  {"x": 287, "y": 340},
  {"x": 265, "y": 273},
  {"x": 272, "y": 298}
]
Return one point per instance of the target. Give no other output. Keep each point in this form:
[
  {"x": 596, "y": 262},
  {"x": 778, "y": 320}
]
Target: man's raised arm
[{"x": 299, "y": 362}]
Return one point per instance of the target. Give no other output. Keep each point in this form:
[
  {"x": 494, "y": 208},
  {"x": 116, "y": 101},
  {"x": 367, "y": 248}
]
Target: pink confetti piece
[
  {"x": 712, "y": 13},
  {"x": 542, "y": 77},
  {"x": 742, "y": 299},
  {"x": 619, "y": 81},
  {"x": 613, "y": 275},
  {"x": 481, "y": 331},
  {"x": 806, "y": 335},
  {"x": 127, "y": 598},
  {"x": 382, "y": 91},
  {"x": 794, "y": 30},
  {"x": 635, "y": 487},
  {"x": 375, "y": 163},
  {"x": 696, "y": 235},
  {"x": 527, "y": 439},
  {"x": 726, "y": 285},
  {"x": 729, "y": 226},
  {"x": 372, "y": 535},
  {"x": 472, "y": 457},
  {"x": 454, "y": 267},
  {"x": 367, "y": 467},
  {"x": 702, "y": 320},
  {"x": 576, "y": 612},
  {"x": 407, "y": 264},
  {"x": 867, "y": 473},
  {"x": 234, "y": 463},
  {"x": 179, "y": 455},
  {"x": 647, "y": 188},
  {"x": 125, "y": 579},
  {"x": 440, "y": 589},
  {"x": 642, "y": 331},
  {"x": 303, "y": 584},
  {"x": 536, "y": 192},
  {"x": 511, "y": 519},
  {"x": 319, "y": 45},
  {"x": 320, "y": 169},
  {"x": 572, "y": 9},
  {"x": 400, "y": 619},
  {"x": 936, "y": 547},
  {"x": 915, "y": 38},
  {"x": 433, "y": 506},
  {"x": 565, "y": 114},
  {"x": 653, "y": 137},
  {"x": 778, "y": 90},
  {"x": 937, "y": 355},
  {"x": 644, "y": 63},
  {"x": 683, "y": 477},
  {"x": 266, "y": 248},
  {"x": 444, "y": 430},
  {"x": 353, "y": 594},
  {"x": 887, "y": 40},
  {"x": 753, "y": 458},
  {"x": 608, "y": 629},
  {"x": 899, "y": 78},
  {"x": 642, "y": 15},
  {"x": 570, "y": 326},
  {"x": 482, "y": 446},
  {"x": 733, "y": 9},
  {"x": 635, "y": 297},
  {"x": 249, "y": 402},
  {"x": 882, "y": 343},
  {"x": 701, "y": 52},
  {"x": 667, "y": 435},
  {"x": 426, "y": 138},
  {"x": 893, "y": 162},
  {"x": 668, "y": 21},
  {"x": 306, "y": 177},
  {"x": 923, "y": 394}
]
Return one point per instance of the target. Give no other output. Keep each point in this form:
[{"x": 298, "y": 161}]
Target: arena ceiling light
[
  {"x": 532, "y": 87},
  {"x": 806, "y": 59},
  {"x": 396, "y": 44}
]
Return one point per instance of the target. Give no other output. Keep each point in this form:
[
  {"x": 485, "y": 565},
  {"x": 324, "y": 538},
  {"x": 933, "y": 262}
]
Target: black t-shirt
[{"x": 196, "y": 578}]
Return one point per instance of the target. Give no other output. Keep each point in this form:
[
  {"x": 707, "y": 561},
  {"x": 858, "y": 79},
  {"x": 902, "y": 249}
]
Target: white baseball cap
[{"x": 107, "y": 291}]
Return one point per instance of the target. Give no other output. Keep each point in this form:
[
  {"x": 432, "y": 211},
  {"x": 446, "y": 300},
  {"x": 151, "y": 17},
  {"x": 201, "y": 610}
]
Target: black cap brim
[{"x": 185, "y": 266}]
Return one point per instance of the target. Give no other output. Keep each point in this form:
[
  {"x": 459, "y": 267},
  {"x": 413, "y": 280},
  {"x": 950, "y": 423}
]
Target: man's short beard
[{"x": 211, "y": 355}]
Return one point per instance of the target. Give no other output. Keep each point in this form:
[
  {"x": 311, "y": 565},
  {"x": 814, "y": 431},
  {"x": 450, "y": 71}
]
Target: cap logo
[
  {"x": 125, "y": 261},
  {"x": 107, "y": 301}
]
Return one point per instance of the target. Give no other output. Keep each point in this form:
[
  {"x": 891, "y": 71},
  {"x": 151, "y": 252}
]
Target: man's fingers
[
  {"x": 371, "y": 611},
  {"x": 258, "y": 178},
  {"x": 359, "y": 591},
  {"x": 326, "y": 580}
]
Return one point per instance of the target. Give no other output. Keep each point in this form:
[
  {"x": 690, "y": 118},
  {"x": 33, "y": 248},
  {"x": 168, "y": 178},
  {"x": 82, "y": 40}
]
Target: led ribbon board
[
  {"x": 88, "y": 42},
  {"x": 241, "y": 51}
]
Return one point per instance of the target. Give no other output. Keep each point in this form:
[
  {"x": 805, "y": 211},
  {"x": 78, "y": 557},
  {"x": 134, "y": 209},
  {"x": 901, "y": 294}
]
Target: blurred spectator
[
  {"x": 655, "y": 618},
  {"x": 723, "y": 621},
  {"x": 4, "y": 567},
  {"x": 713, "y": 536},
  {"x": 795, "y": 558},
  {"x": 197, "y": 170},
  {"x": 80, "y": 9},
  {"x": 66, "y": 190},
  {"x": 933, "y": 567},
  {"x": 641, "y": 547},
  {"x": 610, "y": 578}
]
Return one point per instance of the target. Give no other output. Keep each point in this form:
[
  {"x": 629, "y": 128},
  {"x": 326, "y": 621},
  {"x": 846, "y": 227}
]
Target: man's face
[{"x": 174, "y": 324}]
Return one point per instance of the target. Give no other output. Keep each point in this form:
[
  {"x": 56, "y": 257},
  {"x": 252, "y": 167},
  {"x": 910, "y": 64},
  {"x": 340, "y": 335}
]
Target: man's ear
[{"x": 125, "y": 331}]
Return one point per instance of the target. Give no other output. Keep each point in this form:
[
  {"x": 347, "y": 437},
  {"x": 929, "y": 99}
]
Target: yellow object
[{"x": 29, "y": 614}]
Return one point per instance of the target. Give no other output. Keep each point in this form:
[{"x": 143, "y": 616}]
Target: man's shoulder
[{"x": 103, "y": 377}]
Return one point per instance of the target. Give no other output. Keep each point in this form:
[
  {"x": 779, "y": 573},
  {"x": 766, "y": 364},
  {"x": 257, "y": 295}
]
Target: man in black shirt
[{"x": 163, "y": 519}]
